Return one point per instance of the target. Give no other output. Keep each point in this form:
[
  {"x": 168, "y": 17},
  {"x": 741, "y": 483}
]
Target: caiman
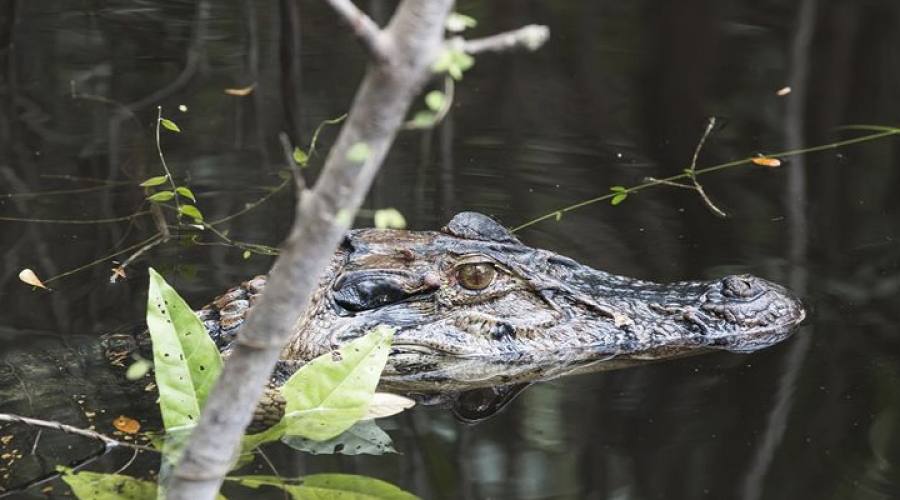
[{"x": 477, "y": 310}]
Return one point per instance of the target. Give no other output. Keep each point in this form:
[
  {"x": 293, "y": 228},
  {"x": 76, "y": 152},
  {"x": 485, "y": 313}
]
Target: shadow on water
[{"x": 622, "y": 91}]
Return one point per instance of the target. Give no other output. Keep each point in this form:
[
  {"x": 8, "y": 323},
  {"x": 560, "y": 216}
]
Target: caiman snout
[{"x": 753, "y": 305}]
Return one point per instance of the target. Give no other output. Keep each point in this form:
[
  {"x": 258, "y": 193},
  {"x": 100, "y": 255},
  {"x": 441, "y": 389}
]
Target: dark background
[{"x": 621, "y": 91}]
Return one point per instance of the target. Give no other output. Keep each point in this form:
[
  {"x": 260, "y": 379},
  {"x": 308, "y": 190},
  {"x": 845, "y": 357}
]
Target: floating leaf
[
  {"x": 88, "y": 485},
  {"x": 332, "y": 486},
  {"x": 389, "y": 218},
  {"x": 155, "y": 181},
  {"x": 187, "y": 193},
  {"x": 359, "y": 152},
  {"x": 127, "y": 425},
  {"x": 169, "y": 124},
  {"x": 765, "y": 161},
  {"x": 434, "y": 100},
  {"x": 192, "y": 212},
  {"x": 241, "y": 91},
  {"x": 364, "y": 438},
  {"x": 27, "y": 276},
  {"x": 331, "y": 393},
  {"x": 385, "y": 404},
  {"x": 619, "y": 198},
  {"x": 185, "y": 358},
  {"x": 138, "y": 369},
  {"x": 457, "y": 22},
  {"x": 161, "y": 196}
]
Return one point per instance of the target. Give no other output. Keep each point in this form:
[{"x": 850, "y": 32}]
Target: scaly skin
[{"x": 539, "y": 316}]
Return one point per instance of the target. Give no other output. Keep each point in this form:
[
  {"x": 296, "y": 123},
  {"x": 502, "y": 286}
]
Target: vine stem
[{"x": 882, "y": 132}]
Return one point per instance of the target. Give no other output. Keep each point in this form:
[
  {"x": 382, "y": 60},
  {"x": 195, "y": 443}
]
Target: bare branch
[
  {"x": 530, "y": 37},
  {"x": 107, "y": 441},
  {"x": 364, "y": 28},
  {"x": 415, "y": 36}
]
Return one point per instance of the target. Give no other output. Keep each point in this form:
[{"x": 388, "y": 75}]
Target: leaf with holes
[
  {"x": 332, "y": 392},
  {"x": 185, "y": 359},
  {"x": 99, "y": 486}
]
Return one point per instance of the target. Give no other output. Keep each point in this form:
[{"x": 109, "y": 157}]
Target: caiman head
[{"x": 474, "y": 307}]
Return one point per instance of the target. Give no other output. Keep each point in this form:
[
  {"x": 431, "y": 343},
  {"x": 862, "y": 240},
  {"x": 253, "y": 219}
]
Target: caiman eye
[{"x": 476, "y": 276}]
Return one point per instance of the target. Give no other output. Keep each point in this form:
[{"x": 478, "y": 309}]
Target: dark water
[{"x": 622, "y": 91}]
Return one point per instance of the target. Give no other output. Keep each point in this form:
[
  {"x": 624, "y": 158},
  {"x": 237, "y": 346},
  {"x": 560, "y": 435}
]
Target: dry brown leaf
[
  {"x": 765, "y": 161},
  {"x": 28, "y": 276},
  {"x": 242, "y": 91},
  {"x": 127, "y": 425},
  {"x": 117, "y": 272},
  {"x": 385, "y": 404}
]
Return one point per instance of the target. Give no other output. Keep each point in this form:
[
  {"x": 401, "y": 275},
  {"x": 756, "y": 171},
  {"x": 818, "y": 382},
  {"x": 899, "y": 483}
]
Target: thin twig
[
  {"x": 103, "y": 259},
  {"x": 107, "y": 441},
  {"x": 530, "y": 37},
  {"x": 668, "y": 183},
  {"x": 299, "y": 180},
  {"x": 162, "y": 158},
  {"x": 881, "y": 132},
  {"x": 692, "y": 171},
  {"x": 371, "y": 36},
  {"x": 76, "y": 221}
]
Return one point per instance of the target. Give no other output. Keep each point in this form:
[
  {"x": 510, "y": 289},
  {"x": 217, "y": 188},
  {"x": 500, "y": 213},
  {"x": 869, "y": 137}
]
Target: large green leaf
[
  {"x": 99, "y": 486},
  {"x": 185, "y": 359},
  {"x": 332, "y": 392},
  {"x": 332, "y": 486},
  {"x": 363, "y": 438}
]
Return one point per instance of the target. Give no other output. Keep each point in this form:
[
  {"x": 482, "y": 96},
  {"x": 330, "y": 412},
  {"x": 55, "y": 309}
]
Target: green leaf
[
  {"x": 619, "y": 198},
  {"x": 161, "y": 196},
  {"x": 138, "y": 369},
  {"x": 558, "y": 216},
  {"x": 332, "y": 392},
  {"x": 359, "y": 152},
  {"x": 363, "y": 438},
  {"x": 617, "y": 189},
  {"x": 463, "y": 60},
  {"x": 169, "y": 124},
  {"x": 187, "y": 193},
  {"x": 300, "y": 157},
  {"x": 88, "y": 485},
  {"x": 455, "y": 72},
  {"x": 457, "y": 22},
  {"x": 154, "y": 181},
  {"x": 246, "y": 255},
  {"x": 389, "y": 218},
  {"x": 423, "y": 119},
  {"x": 443, "y": 61},
  {"x": 331, "y": 486},
  {"x": 185, "y": 358},
  {"x": 434, "y": 100},
  {"x": 192, "y": 212}
]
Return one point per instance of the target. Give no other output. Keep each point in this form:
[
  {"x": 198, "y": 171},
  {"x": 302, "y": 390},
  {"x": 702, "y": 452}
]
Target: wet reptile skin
[{"x": 536, "y": 315}]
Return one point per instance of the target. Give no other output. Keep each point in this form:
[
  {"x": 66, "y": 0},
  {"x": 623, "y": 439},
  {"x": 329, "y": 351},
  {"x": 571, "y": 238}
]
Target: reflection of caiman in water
[{"x": 477, "y": 316}]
